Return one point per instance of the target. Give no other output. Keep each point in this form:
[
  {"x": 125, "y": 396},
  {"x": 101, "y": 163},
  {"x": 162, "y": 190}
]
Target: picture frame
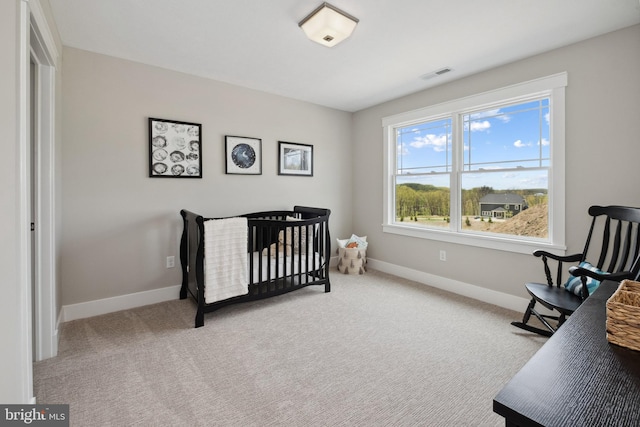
[
  {"x": 243, "y": 155},
  {"x": 295, "y": 159},
  {"x": 175, "y": 149}
]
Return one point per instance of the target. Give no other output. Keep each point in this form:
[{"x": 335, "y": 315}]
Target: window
[{"x": 486, "y": 170}]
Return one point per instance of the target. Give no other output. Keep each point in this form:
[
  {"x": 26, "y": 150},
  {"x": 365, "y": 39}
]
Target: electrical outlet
[
  {"x": 171, "y": 261},
  {"x": 443, "y": 255}
]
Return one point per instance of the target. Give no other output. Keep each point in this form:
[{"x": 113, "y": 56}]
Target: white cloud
[
  {"x": 544, "y": 142},
  {"x": 520, "y": 144},
  {"x": 437, "y": 142},
  {"x": 480, "y": 126}
]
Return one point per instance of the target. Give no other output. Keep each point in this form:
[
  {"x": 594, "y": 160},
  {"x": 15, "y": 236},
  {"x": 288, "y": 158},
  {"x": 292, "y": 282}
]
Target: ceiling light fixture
[{"x": 328, "y": 25}]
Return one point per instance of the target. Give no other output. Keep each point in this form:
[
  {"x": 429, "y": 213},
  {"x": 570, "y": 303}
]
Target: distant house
[{"x": 496, "y": 205}]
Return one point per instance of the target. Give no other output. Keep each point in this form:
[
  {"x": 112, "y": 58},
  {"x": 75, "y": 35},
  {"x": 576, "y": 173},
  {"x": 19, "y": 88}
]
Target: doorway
[{"x": 41, "y": 187}]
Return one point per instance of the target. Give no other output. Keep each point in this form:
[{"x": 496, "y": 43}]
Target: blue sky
[{"x": 513, "y": 137}]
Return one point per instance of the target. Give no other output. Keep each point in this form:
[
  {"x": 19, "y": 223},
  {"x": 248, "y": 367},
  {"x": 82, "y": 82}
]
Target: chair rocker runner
[{"x": 618, "y": 227}]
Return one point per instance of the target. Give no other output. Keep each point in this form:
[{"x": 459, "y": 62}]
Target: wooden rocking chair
[{"x": 618, "y": 227}]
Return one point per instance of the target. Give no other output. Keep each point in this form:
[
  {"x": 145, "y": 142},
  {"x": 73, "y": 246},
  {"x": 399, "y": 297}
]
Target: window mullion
[{"x": 457, "y": 153}]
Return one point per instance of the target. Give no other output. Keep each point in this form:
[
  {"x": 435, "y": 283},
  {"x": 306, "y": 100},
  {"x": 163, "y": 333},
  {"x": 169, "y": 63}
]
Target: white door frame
[
  {"x": 23, "y": 209},
  {"x": 43, "y": 52}
]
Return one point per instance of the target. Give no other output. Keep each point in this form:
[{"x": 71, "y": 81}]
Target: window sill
[{"x": 496, "y": 242}]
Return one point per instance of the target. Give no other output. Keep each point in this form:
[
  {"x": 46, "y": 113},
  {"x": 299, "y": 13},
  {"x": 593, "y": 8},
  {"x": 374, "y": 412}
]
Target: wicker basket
[{"x": 623, "y": 315}]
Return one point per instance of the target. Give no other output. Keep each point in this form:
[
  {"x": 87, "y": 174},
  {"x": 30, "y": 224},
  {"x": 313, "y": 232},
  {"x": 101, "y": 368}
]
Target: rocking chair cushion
[{"x": 574, "y": 284}]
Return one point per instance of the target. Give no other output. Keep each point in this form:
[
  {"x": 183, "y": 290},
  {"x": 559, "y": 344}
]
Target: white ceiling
[{"x": 258, "y": 44}]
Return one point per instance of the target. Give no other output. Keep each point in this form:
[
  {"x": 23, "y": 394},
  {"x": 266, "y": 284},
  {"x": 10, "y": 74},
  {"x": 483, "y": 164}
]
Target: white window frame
[{"x": 551, "y": 86}]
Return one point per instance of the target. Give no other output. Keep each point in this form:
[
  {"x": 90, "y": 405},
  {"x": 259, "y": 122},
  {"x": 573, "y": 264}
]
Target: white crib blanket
[{"x": 225, "y": 260}]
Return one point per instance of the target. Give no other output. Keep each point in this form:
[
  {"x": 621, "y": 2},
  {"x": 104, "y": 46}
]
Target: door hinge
[{"x": 33, "y": 226}]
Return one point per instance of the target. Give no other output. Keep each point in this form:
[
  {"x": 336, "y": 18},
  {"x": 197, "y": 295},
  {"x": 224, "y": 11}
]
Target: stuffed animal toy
[{"x": 283, "y": 247}]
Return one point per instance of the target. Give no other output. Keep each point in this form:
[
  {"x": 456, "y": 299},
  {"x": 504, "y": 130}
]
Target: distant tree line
[{"x": 413, "y": 200}]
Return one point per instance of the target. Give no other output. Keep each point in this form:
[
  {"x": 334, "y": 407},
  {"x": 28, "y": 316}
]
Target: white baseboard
[
  {"x": 138, "y": 299},
  {"x": 500, "y": 299},
  {"x": 122, "y": 302}
]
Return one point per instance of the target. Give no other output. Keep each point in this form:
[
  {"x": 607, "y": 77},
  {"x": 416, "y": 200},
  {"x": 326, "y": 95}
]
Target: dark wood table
[{"x": 577, "y": 378}]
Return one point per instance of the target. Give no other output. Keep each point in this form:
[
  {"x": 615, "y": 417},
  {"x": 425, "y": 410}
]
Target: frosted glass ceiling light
[{"x": 328, "y": 25}]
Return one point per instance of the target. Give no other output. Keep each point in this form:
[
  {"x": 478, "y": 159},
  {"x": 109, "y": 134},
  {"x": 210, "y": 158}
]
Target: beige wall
[
  {"x": 119, "y": 225},
  {"x": 602, "y": 150}
]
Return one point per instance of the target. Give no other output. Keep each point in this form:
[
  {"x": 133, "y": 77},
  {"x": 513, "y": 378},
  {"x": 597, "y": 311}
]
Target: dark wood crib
[{"x": 273, "y": 268}]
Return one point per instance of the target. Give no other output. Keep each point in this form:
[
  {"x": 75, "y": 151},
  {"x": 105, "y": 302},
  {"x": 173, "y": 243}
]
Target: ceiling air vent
[{"x": 435, "y": 73}]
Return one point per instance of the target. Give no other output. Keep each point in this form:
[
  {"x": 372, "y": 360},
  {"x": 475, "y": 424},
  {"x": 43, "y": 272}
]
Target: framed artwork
[
  {"x": 295, "y": 159},
  {"x": 175, "y": 149},
  {"x": 243, "y": 155}
]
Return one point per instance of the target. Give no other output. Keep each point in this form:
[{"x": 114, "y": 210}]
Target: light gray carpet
[{"x": 376, "y": 351}]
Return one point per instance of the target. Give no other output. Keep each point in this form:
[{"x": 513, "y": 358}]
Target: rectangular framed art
[
  {"x": 175, "y": 149},
  {"x": 243, "y": 155},
  {"x": 295, "y": 159}
]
